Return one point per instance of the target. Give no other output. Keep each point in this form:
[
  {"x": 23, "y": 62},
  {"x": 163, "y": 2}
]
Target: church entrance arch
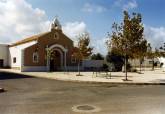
[{"x": 57, "y": 59}]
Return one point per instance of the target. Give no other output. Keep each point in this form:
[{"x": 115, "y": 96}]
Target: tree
[
  {"x": 162, "y": 50},
  {"x": 76, "y": 53},
  {"x": 126, "y": 37},
  {"x": 97, "y": 56},
  {"x": 152, "y": 54},
  {"x": 140, "y": 51},
  {"x": 116, "y": 60},
  {"x": 50, "y": 54},
  {"x": 83, "y": 50}
]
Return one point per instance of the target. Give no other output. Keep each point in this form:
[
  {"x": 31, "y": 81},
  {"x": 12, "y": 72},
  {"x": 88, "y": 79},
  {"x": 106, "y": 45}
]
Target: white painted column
[{"x": 22, "y": 60}]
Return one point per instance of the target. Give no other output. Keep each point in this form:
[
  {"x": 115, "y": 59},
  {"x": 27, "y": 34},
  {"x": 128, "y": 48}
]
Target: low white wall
[
  {"x": 92, "y": 63},
  {"x": 33, "y": 69},
  {"x": 44, "y": 68},
  {"x": 4, "y": 54},
  {"x": 145, "y": 63},
  {"x": 73, "y": 68}
]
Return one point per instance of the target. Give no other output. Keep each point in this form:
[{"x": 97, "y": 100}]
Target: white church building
[{"x": 49, "y": 51}]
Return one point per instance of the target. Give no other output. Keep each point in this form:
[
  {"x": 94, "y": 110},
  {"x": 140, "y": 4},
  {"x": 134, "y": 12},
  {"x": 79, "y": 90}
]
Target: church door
[{"x": 55, "y": 62}]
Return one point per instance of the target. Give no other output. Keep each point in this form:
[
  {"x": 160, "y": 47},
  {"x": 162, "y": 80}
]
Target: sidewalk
[{"x": 147, "y": 77}]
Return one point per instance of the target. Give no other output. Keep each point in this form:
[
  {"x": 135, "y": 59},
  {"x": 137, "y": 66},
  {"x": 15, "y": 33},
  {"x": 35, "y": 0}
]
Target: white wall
[
  {"x": 34, "y": 69},
  {"x": 16, "y": 51},
  {"x": 145, "y": 63},
  {"x": 73, "y": 68},
  {"x": 4, "y": 53},
  {"x": 92, "y": 63},
  {"x": 162, "y": 60}
]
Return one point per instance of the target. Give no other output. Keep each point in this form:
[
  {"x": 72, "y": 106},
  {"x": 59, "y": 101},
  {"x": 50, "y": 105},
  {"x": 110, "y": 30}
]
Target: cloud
[
  {"x": 93, "y": 8},
  {"x": 18, "y": 19},
  {"x": 117, "y": 3},
  {"x": 130, "y": 5},
  {"x": 155, "y": 35},
  {"x": 125, "y": 4},
  {"x": 99, "y": 45},
  {"x": 72, "y": 29}
]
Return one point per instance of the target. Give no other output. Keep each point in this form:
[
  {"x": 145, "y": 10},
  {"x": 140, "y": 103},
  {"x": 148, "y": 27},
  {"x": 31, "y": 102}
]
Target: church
[{"x": 49, "y": 51}]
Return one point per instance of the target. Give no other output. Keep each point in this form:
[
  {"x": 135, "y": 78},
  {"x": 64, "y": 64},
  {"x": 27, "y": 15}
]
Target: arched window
[
  {"x": 56, "y": 36},
  {"x": 35, "y": 57}
]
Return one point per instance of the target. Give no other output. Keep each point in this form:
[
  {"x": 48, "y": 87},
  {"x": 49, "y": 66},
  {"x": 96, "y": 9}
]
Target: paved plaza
[{"x": 146, "y": 77}]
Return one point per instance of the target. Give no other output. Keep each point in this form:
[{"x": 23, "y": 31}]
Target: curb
[
  {"x": 113, "y": 83},
  {"x": 95, "y": 82}
]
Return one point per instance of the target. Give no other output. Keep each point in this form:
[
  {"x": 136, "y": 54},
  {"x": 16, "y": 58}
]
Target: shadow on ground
[
  {"x": 7, "y": 75},
  {"x": 104, "y": 75}
]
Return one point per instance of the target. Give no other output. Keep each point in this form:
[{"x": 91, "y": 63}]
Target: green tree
[
  {"x": 126, "y": 36},
  {"x": 140, "y": 51},
  {"x": 97, "y": 56},
  {"x": 83, "y": 50},
  {"x": 152, "y": 54},
  {"x": 116, "y": 60}
]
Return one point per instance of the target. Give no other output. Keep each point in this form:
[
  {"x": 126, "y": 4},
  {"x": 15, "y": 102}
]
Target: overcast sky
[{"x": 22, "y": 18}]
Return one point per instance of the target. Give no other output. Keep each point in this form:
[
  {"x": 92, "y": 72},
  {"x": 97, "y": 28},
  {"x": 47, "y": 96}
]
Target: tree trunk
[
  {"x": 134, "y": 63},
  {"x": 153, "y": 64},
  {"x": 140, "y": 66},
  {"x": 126, "y": 68},
  {"x": 78, "y": 69}
]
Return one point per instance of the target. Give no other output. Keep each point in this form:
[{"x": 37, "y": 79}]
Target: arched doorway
[{"x": 56, "y": 60}]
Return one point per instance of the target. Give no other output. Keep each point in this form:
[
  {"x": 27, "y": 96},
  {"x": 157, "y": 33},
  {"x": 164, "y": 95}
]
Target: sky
[{"x": 23, "y": 18}]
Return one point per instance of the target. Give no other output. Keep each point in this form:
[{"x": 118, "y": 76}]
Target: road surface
[{"x": 29, "y": 95}]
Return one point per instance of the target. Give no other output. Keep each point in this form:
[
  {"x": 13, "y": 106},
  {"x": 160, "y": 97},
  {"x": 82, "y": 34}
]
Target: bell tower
[{"x": 56, "y": 25}]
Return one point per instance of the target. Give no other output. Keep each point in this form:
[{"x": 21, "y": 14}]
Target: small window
[
  {"x": 73, "y": 59},
  {"x": 14, "y": 60},
  {"x": 56, "y": 36},
  {"x": 35, "y": 57}
]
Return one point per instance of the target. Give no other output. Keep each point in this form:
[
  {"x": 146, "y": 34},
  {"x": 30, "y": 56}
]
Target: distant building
[
  {"x": 146, "y": 63},
  {"x": 4, "y": 55}
]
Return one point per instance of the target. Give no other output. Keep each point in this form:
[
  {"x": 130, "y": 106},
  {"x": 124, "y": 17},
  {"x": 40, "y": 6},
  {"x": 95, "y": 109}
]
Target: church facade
[{"x": 49, "y": 51}]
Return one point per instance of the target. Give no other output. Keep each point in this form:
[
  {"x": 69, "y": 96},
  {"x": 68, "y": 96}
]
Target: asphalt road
[{"x": 29, "y": 95}]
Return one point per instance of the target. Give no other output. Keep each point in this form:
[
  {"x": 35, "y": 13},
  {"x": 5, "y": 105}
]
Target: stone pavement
[{"x": 147, "y": 77}]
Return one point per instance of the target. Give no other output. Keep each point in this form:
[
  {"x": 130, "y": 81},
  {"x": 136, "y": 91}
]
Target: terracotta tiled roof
[{"x": 29, "y": 39}]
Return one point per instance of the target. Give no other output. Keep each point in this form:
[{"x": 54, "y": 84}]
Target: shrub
[{"x": 105, "y": 67}]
